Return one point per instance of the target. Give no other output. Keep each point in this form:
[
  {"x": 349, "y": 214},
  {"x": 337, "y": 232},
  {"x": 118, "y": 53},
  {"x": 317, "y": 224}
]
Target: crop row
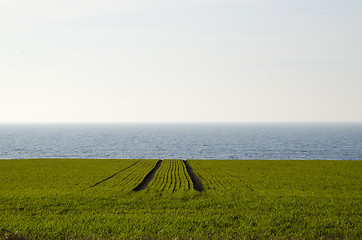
[
  {"x": 36, "y": 176},
  {"x": 215, "y": 174},
  {"x": 171, "y": 176},
  {"x": 131, "y": 177},
  {"x": 274, "y": 177}
]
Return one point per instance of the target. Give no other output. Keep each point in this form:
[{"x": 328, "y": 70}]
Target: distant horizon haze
[{"x": 182, "y": 141}]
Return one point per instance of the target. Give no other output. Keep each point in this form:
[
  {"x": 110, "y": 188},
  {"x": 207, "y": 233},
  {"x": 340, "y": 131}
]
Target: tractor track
[
  {"x": 195, "y": 180},
  {"x": 148, "y": 177}
]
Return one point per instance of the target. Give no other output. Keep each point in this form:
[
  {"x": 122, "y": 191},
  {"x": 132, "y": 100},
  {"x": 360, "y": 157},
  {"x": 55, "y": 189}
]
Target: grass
[{"x": 54, "y": 199}]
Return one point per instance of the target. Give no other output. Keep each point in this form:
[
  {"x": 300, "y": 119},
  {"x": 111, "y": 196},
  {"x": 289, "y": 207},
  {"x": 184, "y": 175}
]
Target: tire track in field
[
  {"x": 114, "y": 175},
  {"x": 195, "y": 180},
  {"x": 148, "y": 177}
]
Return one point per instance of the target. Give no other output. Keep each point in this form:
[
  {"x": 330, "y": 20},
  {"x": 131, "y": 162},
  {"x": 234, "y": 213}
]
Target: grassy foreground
[{"x": 93, "y": 199}]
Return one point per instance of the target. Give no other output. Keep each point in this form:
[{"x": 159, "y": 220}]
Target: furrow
[
  {"x": 148, "y": 177},
  {"x": 195, "y": 180}
]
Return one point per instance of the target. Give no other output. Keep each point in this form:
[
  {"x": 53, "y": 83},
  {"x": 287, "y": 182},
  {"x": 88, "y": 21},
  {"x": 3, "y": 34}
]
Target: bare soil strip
[
  {"x": 113, "y": 175},
  {"x": 195, "y": 180},
  {"x": 148, "y": 177}
]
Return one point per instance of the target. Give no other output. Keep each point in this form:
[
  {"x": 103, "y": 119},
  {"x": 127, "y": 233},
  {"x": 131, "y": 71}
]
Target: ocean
[{"x": 330, "y": 141}]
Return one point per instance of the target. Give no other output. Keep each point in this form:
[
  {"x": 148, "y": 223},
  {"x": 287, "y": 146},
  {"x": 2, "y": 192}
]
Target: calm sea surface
[{"x": 184, "y": 141}]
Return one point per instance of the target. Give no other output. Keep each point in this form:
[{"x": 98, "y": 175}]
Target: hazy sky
[{"x": 180, "y": 61}]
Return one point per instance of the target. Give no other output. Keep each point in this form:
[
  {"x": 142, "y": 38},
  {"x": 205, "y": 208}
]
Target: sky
[{"x": 180, "y": 61}]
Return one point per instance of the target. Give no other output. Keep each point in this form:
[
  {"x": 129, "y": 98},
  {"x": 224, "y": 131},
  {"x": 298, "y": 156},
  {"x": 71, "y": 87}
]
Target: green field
[{"x": 256, "y": 199}]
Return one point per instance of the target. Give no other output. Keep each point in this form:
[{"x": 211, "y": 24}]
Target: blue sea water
[{"x": 183, "y": 141}]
